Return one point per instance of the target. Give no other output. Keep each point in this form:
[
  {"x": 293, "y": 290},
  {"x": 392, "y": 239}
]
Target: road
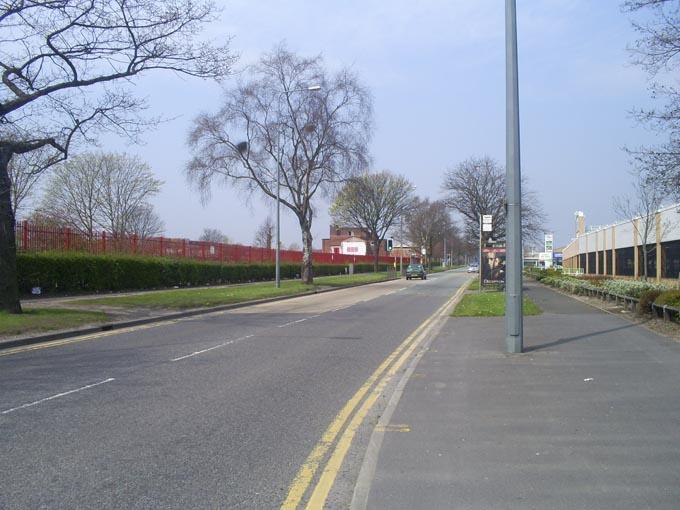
[{"x": 214, "y": 411}]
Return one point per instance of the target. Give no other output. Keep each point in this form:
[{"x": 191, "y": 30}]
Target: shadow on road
[{"x": 566, "y": 340}]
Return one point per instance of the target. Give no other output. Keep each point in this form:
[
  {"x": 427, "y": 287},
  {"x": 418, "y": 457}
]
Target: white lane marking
[
  {"x": 403, "y": 288},
  {"x": 196, "y": 353},
  {"x": 7, "y": 411}
]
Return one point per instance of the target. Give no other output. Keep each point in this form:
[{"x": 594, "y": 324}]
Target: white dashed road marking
[{"x": 31, "y": 404}]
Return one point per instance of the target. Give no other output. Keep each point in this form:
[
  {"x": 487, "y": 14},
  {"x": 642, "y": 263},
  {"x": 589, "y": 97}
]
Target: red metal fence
[{"x": 36, "y": 238}]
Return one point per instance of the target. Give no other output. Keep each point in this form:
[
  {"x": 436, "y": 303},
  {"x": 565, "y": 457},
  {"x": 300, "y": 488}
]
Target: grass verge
[
  {"x": 489, "y": 304},
  {"x": 46, "y": 319},
  {"x": 474, "y": 284},
  {"x": 207, "y": 297}
]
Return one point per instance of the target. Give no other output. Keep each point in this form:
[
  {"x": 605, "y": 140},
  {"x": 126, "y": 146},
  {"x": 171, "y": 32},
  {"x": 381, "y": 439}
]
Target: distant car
[
  {"x": 473, "y": 268},
  {"x": 416, "y": 271}
]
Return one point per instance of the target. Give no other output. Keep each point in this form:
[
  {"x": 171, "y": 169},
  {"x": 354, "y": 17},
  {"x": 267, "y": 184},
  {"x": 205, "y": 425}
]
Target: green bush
[
  {"x": 669, "y": 298},
  {"x": 646, "y": 299},
  {"x": 60, "y": 273},
  {"x": 596, "y": 279},
  {"x": 539, "y": 274},
  {"x": 631, "y": 288}
]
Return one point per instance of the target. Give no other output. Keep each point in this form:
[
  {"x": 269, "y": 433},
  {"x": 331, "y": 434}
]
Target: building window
[
  {"x": 625, "y": 263},
  {"x": 670, "y": 259}
]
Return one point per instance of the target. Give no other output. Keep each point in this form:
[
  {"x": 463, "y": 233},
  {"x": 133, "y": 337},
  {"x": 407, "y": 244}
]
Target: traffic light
[{"x": 390, "y": 244}]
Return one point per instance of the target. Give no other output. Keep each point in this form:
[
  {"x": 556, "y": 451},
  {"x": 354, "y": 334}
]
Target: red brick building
[{"x": 350, "y": 241}]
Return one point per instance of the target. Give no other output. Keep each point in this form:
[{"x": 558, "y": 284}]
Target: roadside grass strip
[
  {"x": 348, "y": 421},
  {"x": 207, "y": 297},
  {"x": 489, "y": 304},
  {"x": 46, "y": 319}
]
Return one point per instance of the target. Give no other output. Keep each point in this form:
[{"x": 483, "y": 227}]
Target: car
[
  {"x": 473, "y": 268},
  {"x": 416, "y": 271}
]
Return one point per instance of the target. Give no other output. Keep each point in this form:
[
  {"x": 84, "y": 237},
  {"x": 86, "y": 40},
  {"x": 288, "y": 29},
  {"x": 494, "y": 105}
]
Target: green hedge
[
  {"x": 58, "y": 273},
  {"x": 669, "y": 298}
]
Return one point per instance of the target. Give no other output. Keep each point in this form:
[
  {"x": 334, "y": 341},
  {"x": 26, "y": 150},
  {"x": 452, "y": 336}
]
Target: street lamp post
[
  {"x": 401, "y": 247},
  {"x": 513, "y": 284},
  {"x": 311, "y": 88}
]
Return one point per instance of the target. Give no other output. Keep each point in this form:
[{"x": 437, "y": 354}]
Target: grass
[
  {"x": 46, "y": 319},
  {"x": 474, "y": 284},
  {"x": 489, "y": 304},
  {"x": 207, "y": 297}
]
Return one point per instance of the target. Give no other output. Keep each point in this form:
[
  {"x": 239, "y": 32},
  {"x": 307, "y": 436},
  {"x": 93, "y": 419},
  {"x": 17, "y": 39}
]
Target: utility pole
[
  {"x": 513, "y": 274},
  {"x": 401, "y": 247}
]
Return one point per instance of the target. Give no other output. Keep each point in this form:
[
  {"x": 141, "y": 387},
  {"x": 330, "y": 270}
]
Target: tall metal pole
[
  {"x": 401, "y": 250},
  {"x": 513, "y": 276},
  {"x": 444, "y": 264},
  {"x": 278, "y": 226}
]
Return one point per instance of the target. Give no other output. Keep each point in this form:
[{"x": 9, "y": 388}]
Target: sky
[{"x": 436, "y": 70}]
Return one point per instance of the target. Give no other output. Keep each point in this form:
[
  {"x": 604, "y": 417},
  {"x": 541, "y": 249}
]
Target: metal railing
[{"x": 39, "y": 238}]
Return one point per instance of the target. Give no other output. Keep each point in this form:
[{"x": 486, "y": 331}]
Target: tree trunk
[
  {"x": 9, "y": 288},
  {"x": 644, "y": 261},
  {"x": 376, "y": 254},
  {"x": 307, "y": 269}
]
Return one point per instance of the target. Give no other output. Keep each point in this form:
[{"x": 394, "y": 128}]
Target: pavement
[{"x": 587, "y": 418}]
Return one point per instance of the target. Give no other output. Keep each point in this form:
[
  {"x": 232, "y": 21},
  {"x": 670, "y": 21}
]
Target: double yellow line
[
  {"x": 377, "y": 381},
  {"x": 83, "y": 338}
]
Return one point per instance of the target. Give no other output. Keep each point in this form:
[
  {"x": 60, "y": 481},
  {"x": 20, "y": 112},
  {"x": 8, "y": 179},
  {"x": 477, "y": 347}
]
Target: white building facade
[{"x": 617, "y": 250}]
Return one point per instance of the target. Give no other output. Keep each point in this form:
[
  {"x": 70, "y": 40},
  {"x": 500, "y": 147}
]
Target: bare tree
[
  {"x": 66, "y": 71},
  {"x": 265, "y": 234},
  {"x": 213, "y": 235},
  {"x": 658, "y": 52},
  {"x": 102, "y": 191},
  {"x": 476, "y": 187},
  {"x": 71, "y": 194},
  {"x": 24, "y": 172},
  {"x": 641, "y": 206},
  {"x": 126, "y": 185},
  {"x": 373, "y": 202},
  {"x": 144, "y": 222},
  {"x": 428, "y": 224},
  {"x": 274, "y": 125}
]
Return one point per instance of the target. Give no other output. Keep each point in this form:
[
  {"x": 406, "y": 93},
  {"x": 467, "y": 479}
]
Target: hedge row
[
  {"x": 646, "y": 292},
  {"x": 58, "y": 273}
]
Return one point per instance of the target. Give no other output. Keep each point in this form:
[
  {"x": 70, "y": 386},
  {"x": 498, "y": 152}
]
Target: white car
[{"x": 473, "y": 268}]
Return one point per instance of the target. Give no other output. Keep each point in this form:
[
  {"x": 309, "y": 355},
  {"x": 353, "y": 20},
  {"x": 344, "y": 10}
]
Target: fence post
[
  {"x": 67, "y": 238},
  {"x": 160, "y": 248},
  {"x": 24, "y": 235},
  {"x": 104, "y": 241}
]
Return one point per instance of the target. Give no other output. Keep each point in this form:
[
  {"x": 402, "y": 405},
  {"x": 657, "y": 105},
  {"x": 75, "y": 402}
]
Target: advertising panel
[{"x": 492, "y": 266}]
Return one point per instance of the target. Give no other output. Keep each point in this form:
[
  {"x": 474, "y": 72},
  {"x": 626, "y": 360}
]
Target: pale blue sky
[{"x": 436, "y": 71}]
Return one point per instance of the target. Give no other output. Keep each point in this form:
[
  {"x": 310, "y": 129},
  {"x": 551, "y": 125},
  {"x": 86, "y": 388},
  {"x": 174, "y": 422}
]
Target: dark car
[{"x": 416, "y": 271}]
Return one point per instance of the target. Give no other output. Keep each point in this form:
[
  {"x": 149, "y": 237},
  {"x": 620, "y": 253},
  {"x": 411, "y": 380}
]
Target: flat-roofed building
[{"x": 617, "y": 250}]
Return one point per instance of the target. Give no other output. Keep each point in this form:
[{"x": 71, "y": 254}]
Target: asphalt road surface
[{"x": 214, "y": 411}]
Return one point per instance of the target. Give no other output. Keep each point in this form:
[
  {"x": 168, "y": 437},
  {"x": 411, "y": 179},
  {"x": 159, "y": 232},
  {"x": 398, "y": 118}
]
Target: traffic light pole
[{"x": 513, "y": 282}]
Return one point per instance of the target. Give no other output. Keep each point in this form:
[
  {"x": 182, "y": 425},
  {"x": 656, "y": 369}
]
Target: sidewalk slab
[{"x": 588, "y": 417}]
